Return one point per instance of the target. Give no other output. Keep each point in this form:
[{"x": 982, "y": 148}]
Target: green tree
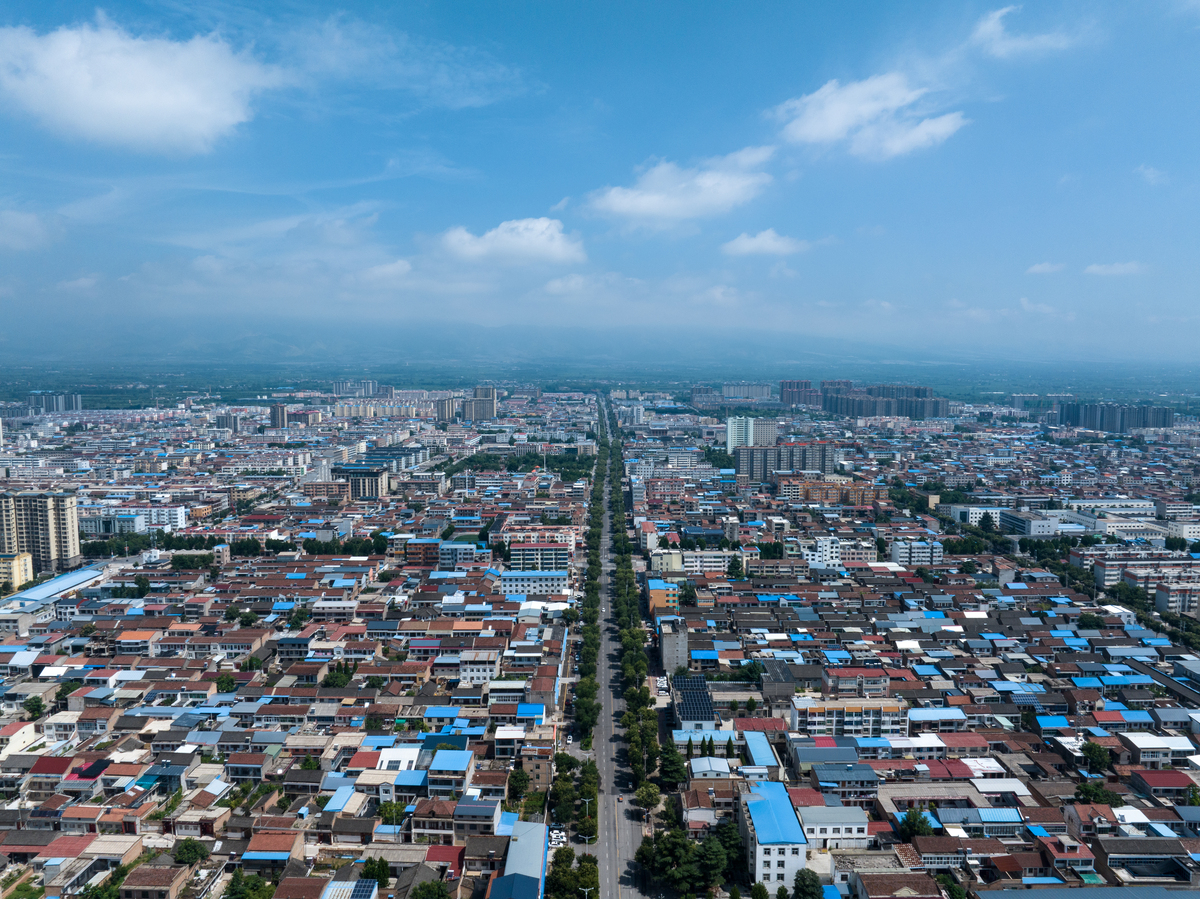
[
  {"x": 758, "y": 891},
  {"x": 730, "y": 752},
  {"x": 430, "y": 889},
  {"x": 734, "y": 568},
  {"x": 1193, "y": 797},
  {"x": 1096, "y": 794},
  {"x": 226, "y": 683},
  {"x": 35, "y": 707},
  {"x": 953, "y": 890},
  {"x": 586, "y": 827},
  {"x": 189, "y": 851},
  {"x": 310, "y": 763},
  {"x": 648, "y": 796},
  {"x": 807, "y": 885},
  {"x": 751, "y": 705},
  {"x": 672, "y": 769},
  {"x": 518, "y": 783},
  {"x": 1098, "y": 758},
  {"x": 782, "y": 892},
  {"x": 691, "y": 749},
  {"x": 565, "y": 763},
  {"x": 711, "y": 861},
  {"x": 64, "y": 692},
  {"x": 247, "y": 619},
  {"x": 1089, "y": 621},
  {"x": 377, "y": 869},
  {"x": 734, "y": 892},
  {"x": 987, "y": 523},
  {"x": 914, "y": 824},
  {"x": 390, "y": 812}
]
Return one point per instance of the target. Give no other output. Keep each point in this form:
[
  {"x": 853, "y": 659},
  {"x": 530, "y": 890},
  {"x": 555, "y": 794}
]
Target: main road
[{"x": 620, "y": 824}]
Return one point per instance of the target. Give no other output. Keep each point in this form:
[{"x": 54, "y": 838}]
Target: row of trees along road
[
  {"x": 640, "y": 721},
  {"x": 587, "y": 707}
]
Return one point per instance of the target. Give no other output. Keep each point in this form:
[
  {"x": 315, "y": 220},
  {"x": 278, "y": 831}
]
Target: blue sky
[{"x": 932, "y": 178}]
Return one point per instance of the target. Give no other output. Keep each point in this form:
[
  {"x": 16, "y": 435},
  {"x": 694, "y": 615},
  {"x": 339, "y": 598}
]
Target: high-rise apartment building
[
  {"x": 746, "y": 391},
  {"x": 279, "y": 416},
  {"x": 487, "y": 402},
  {"x": 760, "y": 463},
  {"x": 48, "y": 403},
  {"x": 1115, "y": 418},
  {"x": 884, "y": 400},
  {"x": 447, "y": 408},
  {"x": 229, "y": 422},
  {"x": 750, "y": 432},
  {"x": 16, "y": 570},
  {"x": 45, "y": 525},
  {"x": 798, "y": 393}
]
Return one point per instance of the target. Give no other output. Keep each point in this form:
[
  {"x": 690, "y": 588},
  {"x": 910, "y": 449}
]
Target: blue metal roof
[
  {"x": 1052, "y": 721},
  {"x": 452, "y": 760},
  {"x": 999, "y": 815},
  {"x": 759, "y": 748},
  {"x": 338, "y": 802},
  {"x": 773, "y": 816}
]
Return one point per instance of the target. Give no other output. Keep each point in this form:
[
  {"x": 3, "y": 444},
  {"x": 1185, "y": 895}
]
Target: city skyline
[{"x": 935, "y": 182}]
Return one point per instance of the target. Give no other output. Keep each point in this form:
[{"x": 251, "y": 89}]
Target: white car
[{"x": 570, "y": 739}]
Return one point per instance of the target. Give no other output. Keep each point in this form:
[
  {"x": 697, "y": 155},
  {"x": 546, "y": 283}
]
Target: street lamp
[{"x": 586, "y": 890}]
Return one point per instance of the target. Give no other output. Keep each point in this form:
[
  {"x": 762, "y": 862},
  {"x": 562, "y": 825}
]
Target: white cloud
[
  {"x": 520, "y": 240},
  {"x": 1040, "y": 308},
  {"x": 665, "y": 193},
  {"x": 995, "y": 39},
  {"x": 878, "y": 116},
  {"x": 434, "y": 72},
  {"x": 567, "y": 284},
  {"x": 24, "y": 230},
  {"x": 86, "y": 282},
  {"x": 1045, "y": 268},
  {"x": 150, "y": 94},
  {"x": 1152, "y": 175},
  {"x": 1115, "y": 268},
  {"x": 389, "y": 274},
  {"x": 766, "y": 243}
]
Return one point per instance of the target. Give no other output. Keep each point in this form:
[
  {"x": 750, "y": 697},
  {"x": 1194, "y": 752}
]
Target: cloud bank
[{"x": 101, "y": 84}]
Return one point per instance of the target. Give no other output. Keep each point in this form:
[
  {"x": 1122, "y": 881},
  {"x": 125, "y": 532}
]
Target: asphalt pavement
[{"x": 619, "y": 823}]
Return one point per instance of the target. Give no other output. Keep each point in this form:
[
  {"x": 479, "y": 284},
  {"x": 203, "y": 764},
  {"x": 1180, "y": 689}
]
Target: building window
[
  {"x": 795, "y": 851},
  {"x": 780, "y": 876},
  {"x": 766, "y": 851}
]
